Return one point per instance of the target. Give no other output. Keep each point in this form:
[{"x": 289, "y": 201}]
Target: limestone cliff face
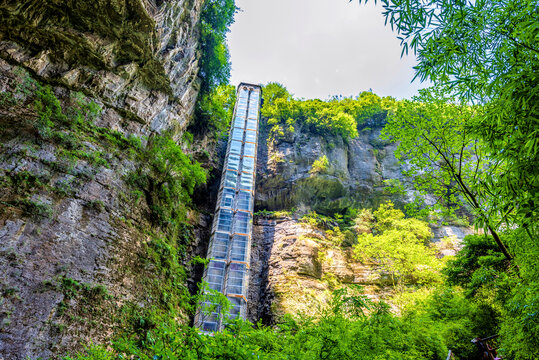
[
  {"x": 72, "y": 237},
  {"x": 138, "y": 57},
  {"x": 355, "y": 176},
  {"x": 294, "y": 267}
]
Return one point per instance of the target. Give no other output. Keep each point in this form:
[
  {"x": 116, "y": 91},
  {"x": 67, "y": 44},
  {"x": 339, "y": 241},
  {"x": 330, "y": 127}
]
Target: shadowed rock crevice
[{"x": 260, "y": 292}]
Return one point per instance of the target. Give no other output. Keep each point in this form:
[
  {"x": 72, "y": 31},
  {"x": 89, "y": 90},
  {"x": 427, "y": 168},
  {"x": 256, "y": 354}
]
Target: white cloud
[{"x": 319, "y": 48}]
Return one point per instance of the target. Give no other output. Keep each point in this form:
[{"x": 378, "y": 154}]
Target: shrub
[
  {"x": 320, "y": 165},
  {"x": 168, "y": 181}
]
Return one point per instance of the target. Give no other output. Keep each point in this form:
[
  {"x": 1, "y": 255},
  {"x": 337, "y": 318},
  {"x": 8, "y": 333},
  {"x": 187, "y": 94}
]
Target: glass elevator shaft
[{"x": 230, "y": 242}]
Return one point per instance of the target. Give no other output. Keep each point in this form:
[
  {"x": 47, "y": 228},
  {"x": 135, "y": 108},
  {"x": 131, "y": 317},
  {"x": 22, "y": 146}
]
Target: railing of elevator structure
[{"x": 229, "y": 249}]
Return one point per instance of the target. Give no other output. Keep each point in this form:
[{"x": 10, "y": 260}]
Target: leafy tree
[
  {"x": 445, "y": 158},
  {"x": 398, "y": 245},
  {"x": 486, "y": 52},
  {"x": 340, "y": 117},
  {"x": 213, "y": 111},
  {"x": 273, "y": 91},
  {"x": 456, "y": 318},
  {"x": 479, "y": 259},
  {"x": 512, "y": 300},
  {"x": 215, "y": 19}
]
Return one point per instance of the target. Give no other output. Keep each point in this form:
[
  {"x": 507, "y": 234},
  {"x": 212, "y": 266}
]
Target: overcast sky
[{"x": 318, "y": 48}]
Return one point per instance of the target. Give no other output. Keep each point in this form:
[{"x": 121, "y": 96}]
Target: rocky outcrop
[
  {"x": 73, "y": 232},
  {"x": 138, "y": 57},
  {"x": 294, "y": 270},
  {"x": 355, "y": 175},
  {"x": 294, "y": 266},
  {"x": 361, "y": 174}
]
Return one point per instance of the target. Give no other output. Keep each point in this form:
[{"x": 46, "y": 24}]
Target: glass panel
[
  {"x": 239, "y": 122},
  {"x": 248, "y": 164},
  {"x": 249, "y": 149},
  {"x": 242, "y": 111},
  {"x": 215, "y": 275},
  {"x": 218, "y": 248},
  {"x": 224, "y": 222},
  {"x": 210, "y": 326},
  {"x": 253, "y": 111},
  {"x": 227, "y": 197},
  {"x": 246, "y": 181},
  {"x": 236, "y": 279},
  {"x": 233, "y": 162},
  {"x": 239, "y": 248},
  {"x": 251, "y": 124},
  {"x": 250, "y": 136},
  {"x": 236, "y": 308},
  {"x": 231, "y": 179},
  {"x": 244, "y": 93},
  {"x": 235, "y": 147},
  {"x": 210, "y": 316},
  {"x": 237, "y": 134},
  {"x": 244, "y": 201},
  {"x": 242, "y": 224}
]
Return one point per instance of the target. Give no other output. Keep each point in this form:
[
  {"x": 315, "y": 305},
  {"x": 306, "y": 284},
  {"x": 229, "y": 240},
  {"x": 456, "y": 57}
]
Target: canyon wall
[
  {"x": 83, "y": 253},
  {"x": 294, "y": 266},
  {"x": 73, "y": 232}
]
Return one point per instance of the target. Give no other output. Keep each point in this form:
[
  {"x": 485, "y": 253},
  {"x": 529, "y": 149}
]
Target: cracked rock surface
[{"x": 68, "y": 236}]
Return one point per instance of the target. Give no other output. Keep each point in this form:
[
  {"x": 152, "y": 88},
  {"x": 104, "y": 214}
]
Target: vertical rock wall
[
  {"x": 137, "y": 58},
  {"x": 293, "y": 267},
  {"x": 71, "y": 234}
]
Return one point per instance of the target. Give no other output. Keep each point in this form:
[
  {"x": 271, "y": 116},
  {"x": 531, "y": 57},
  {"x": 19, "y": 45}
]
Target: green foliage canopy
[
  {"x": 213, "y": 111},
  {"x": 446, "y": 159},
  {"x": 339, "y": 117},
  {"x": 344, "y": 331},
  {"x": 398, "y": 245},
  {"x": 215, "y": 19},
  {"x": 511, "y": 298},
  {"x": 486, "y": 52}
]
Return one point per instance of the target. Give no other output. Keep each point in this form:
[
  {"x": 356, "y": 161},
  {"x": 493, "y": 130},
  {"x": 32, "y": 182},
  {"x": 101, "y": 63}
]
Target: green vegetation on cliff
[
  {"x": 161, "y": 183},
  {"x": 215, "y": 20},
  {"x": 399, "y": 245},
  {"x": 213, "y": 111},
  {"x": 216, "y": 99},
  {"x": 337, "y": 117}
]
